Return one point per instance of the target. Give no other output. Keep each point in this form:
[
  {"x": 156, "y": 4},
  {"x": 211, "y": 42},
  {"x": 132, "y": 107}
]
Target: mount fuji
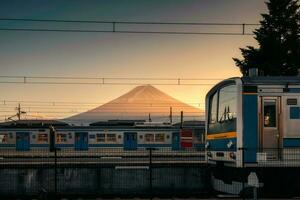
[{"x": 141, "y": 103}]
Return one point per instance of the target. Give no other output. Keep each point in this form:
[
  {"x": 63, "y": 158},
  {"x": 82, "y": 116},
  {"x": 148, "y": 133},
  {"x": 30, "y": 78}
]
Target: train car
[
  {"x": 115, "y": 137},
  {"x": 127, "y": 138},
  {"x": 253, "y": 125}
]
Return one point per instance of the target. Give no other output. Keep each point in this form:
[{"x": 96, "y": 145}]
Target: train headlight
[
  {"x": 232, "y": 155},
  {"x": 209, "y": 154}
]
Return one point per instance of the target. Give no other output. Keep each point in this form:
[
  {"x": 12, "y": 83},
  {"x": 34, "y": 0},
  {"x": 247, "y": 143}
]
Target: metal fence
[
  {"x": 103, "y": 172},
  {"x": 149, "y": 172},
  {"x": 255, "y": 172}
]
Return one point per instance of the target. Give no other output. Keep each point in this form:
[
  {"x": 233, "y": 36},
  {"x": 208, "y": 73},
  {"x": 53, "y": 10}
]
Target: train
[
  {"x": 40, "y": 136},
  {"x": 252, "y": 125}
]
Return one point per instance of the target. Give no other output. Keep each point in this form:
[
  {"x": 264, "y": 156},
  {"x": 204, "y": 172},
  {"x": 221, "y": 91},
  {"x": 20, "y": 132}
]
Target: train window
[
  {"x": 213, "y": 108},
  {"x": 111, "y": 138},
  {"x": 160, "y": 137},
  {"x": 92, "y": 136},
  {"x": 100, "y": 137},
  {"x": 149, "y": 137},
  {"x": 270, "y": 114},
  {"x": 227, "y": 103},
  {"x": 61, "y": 138},
  {"x": 3, "y": 138},
  {"x": 222, "y": 110},
  {"x": 42, "y": 138}
]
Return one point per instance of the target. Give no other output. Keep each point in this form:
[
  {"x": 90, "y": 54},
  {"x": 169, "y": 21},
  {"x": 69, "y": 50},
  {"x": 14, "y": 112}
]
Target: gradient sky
[{"x": 120, "y": 55}]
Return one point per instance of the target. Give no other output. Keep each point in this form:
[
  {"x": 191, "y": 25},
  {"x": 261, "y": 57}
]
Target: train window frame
[
  {"x": 211, "y": 99},
  {"x": 3, "y": 138},
  {"x": 225, "y": 117},
  {"x": 149, "y": 138},
  {"x": 229, "y": 123},
  {"x": 272, "y": 123},
  {"x": 98, "y": 137},
  {"x": 110, "y": 139},
  {"x": 61, "y": 138},
  {"x": 39, "y": 140},
  {"x": 157, "y": 139}
]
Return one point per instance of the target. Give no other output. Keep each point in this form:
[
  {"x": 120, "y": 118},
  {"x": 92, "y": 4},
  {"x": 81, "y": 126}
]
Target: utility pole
[
  {"x": 171, "y": 117},
  {"x": 19, "y": 112},
  {"x": 181, "y": 119}
]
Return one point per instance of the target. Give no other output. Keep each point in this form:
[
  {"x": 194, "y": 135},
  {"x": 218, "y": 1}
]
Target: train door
[
  {"x": 270, "y": 126},
  {"x": 22, "y": 141},
  {"x": 81, "y": 141},
  {"x": 175, "y": 141},
  {"x": 130, "y": 141}
]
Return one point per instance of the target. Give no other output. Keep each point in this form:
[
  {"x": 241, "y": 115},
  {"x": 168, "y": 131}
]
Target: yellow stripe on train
[{"x": 221, "y": 135}]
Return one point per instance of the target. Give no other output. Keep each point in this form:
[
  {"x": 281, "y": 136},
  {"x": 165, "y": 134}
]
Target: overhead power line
[
  {"x": 72, "y": 103},
  {"x": 62, "y": 80},
  {"x": 115, "y": 28},
  {"x": 119, "y": 31},
  {"x": 127, "y": 22}
]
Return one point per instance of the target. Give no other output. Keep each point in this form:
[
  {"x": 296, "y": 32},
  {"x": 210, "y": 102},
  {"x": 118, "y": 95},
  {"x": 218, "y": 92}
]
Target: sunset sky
[{"x": 119, "y": 55}]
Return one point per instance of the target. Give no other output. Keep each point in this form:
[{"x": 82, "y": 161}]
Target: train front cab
[
  {"x": 223, "y": 122},
  {"x": 265, "y": 138}
]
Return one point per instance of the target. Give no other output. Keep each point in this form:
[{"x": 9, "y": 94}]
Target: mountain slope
[{"x": 137, "y": 104}]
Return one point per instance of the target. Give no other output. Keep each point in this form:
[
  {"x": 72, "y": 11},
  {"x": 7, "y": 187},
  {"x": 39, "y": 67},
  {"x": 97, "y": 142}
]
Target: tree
[{"x": 278, "y": 38}]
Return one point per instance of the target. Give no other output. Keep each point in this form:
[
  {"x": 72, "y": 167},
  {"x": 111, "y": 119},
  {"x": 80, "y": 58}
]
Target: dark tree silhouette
[{"x": 278, "y": 38}]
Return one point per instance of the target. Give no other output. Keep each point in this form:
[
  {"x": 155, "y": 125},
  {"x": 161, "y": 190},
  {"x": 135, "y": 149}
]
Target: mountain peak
[{"x": 145, "y": 94}]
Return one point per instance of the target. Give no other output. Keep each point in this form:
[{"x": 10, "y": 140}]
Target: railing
[
  {"x": 276, "y": 171},
  {"x": 103, "y": 172},
  {"x": 150, "y": 172}
]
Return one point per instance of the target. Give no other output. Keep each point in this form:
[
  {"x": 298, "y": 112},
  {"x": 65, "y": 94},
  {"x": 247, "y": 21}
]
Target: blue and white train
[
  {"x": 253, "y": 125},
  {"x": 26, "y": 137}
]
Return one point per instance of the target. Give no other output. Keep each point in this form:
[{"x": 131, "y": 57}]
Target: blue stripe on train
[
  {"x": 221, "y": 144},
  {"x": 250, "y": 124},
  {"x": 105, "y": 145},
  {"x": 154, "y": 145},
  {"x": 39, "y": 145},
  {"x": 291, "y": 142},
  {"x": 7, "y": 145},
  {"x": 294, "y": 90}
]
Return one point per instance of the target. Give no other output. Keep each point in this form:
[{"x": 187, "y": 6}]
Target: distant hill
[{"x": 137, "y": 104}]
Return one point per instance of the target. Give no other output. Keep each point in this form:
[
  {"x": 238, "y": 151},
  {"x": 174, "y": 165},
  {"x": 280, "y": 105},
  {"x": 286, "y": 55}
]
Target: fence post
[
  {"x": 150, "y": 172},
  {"x": 150, "y": 149},
  {"x": 55, "y": 172},
  {"x": 243, "y": 172}
]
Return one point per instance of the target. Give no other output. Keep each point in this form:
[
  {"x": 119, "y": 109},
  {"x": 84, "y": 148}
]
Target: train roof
[
  {"x": 108, "y": 125},
  {"x": 33, "y": 123},
  {"x": 258, "y": 80},
  {"x": 271, "y": 80},
  {"x": 191, "y": 124},
  {"x": 117, "y": 123}
]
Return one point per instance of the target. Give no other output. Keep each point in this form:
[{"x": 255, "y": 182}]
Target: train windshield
[{"x": 222, "y": 110}]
